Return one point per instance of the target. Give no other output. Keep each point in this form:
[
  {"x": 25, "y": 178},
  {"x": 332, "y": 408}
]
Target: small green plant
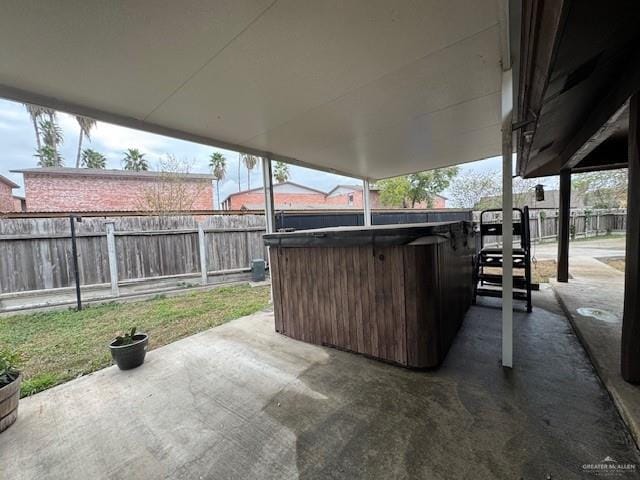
[
  {"x": 127, "y": 338},
  {"x": 8, "y": 367},
  {"x": 572, "y": 231}
]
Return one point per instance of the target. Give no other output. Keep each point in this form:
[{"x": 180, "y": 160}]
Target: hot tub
[{"x": 397, "y": 293}]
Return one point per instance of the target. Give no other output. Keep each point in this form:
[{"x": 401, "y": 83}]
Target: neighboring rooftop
[
  {"x": 97, "y": 172},
  {"x": 6, "y": 181},
  {"x": 278, "y": 186},
  {"x": 357, "y": 188}
]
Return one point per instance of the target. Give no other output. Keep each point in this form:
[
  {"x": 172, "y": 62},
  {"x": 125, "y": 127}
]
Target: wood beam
[
  {"x": 563, "y": 226},
  {"x": 630, "y": 348},
  {"x": 607, "y": 107},
  {"x": 542, "y": 27},
  {"x": 611, "y": 153}
]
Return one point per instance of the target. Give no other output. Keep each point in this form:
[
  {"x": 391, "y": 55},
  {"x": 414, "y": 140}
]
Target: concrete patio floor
[
  {"x": 240, "y": 401},
  {"x": 596, "y": 285}
]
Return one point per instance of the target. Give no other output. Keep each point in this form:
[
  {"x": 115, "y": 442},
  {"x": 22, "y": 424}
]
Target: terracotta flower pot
[{"x": 9, "y": 398}]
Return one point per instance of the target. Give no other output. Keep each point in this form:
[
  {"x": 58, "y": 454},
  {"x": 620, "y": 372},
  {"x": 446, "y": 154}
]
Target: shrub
[
  {"x": 127, "y": 338},
  {"x": 8, "y": 367}
]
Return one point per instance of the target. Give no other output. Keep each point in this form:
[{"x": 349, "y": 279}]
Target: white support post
[
  {"x": 539, "y": 226},
  {"x": 507, "y": 220},
  {"x": 267, "y": 181},
  {"x": 269, "y": 214},
  {"x": 366, "y": 203},
  {"x": 113, "y": 259},
  {"x": 203, "y": 254}
]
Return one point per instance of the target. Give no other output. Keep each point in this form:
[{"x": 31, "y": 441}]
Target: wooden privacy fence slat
[
  {"x": 544, "y": 224},
  {"x": 41, "y": 236},
  {"x": 35, "y": 253}
]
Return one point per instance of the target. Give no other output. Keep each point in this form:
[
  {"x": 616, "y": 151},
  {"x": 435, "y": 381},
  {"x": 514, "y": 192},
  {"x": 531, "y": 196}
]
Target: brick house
[
  {"x": 8, "y": 201},
  {"x": 286, "y": 195},
  {"x": 96, "y": 190},
  {"x": 351, "y": 196},
  {"x": 293, "y": 196}
]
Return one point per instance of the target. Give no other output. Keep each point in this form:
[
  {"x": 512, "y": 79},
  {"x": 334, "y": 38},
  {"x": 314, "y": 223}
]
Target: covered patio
[
  {"x": 371, "y": 90},
  {"x": 241, "y": 401}
]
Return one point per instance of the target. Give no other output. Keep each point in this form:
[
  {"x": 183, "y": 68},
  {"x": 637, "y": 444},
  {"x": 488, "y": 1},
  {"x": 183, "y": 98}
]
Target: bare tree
[
  {"x": 171, "y": 192},
  {"x": 605, "y": 189},
  {"x": 473, "y": 188}
]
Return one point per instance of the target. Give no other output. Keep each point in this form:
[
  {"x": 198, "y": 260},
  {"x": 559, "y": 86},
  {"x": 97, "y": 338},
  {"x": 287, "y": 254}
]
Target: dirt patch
[
  {"x": 543, "y": 270},
  {"x": 617, "y": 263}
]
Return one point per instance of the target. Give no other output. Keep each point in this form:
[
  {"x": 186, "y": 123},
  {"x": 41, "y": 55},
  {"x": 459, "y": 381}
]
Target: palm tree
[
  {"x": 93, "y": 159},
  {"x": 36, "y": 112},
  {"x": 134, "y": 160},
  {"x": 86, "y": 125},
  {"x": 281, "y": 172},
  {"x": 250, "y": 162},
  {"x": 51, "y": 137},
  {"x": 51, "y": 133},
  {"x": 49, "y": 157},
  {"x": 218, "y": 166}
]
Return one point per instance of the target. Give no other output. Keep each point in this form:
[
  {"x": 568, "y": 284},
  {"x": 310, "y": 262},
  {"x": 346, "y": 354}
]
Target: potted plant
[
  {"x": 10, "y": 379},
  {"x": 129, "y": 350}
]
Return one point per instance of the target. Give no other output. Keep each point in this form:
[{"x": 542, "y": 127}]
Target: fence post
[
  {"x": 539, "y": 227},
  {"x": 203, "y": 254},
  {"x": 113, "y": 260}
]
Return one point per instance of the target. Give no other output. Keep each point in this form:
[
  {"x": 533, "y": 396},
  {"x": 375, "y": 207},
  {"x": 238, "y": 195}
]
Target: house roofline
[
  {"x": 98, "y": 172},
  {"x": 9, "y": 182},
  {"x": 258, "y": 189}
]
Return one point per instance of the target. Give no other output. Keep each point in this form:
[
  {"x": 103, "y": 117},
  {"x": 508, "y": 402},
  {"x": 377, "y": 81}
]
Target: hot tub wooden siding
[{"x": 398, "y": 303}]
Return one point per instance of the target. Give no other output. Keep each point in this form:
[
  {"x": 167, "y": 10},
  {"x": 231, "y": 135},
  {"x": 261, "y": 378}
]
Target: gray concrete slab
[
  {"x": 240, "y": 401},
  {"x": 595, "y": 247},
  {"x": 598, "y": 286}
]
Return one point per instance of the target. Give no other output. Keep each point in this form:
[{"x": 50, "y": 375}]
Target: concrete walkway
[
  {"x": 25, "y": 302},
  {"x": 598, "y": 286},
  {"x": 594, "y": 247},
  {"x": 240, "y": 401}
]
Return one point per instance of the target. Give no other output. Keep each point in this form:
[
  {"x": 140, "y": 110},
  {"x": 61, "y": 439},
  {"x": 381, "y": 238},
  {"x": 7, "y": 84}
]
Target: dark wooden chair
[{"x": 489, "y": 283}]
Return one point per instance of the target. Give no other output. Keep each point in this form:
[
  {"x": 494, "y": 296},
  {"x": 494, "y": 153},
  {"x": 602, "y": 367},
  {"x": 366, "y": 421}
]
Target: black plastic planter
[{"x": 131, "y": 355}]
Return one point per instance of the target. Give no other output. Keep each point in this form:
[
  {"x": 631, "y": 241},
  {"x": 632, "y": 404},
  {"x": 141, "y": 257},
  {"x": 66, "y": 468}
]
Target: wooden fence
[
  {"x": 543, "y": 224},
  {"x": 35, "y": 253}
]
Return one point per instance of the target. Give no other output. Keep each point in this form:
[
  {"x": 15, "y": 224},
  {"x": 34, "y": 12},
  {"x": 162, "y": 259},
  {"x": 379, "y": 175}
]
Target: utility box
[{"x": 258, "y": 266}]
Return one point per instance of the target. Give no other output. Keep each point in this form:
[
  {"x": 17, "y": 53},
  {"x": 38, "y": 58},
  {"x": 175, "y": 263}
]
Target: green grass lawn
[{"x": 60, "y": 345}]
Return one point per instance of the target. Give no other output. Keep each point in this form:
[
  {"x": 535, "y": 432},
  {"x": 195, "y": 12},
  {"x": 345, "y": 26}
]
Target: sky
[{"x": 18, "y": 145}]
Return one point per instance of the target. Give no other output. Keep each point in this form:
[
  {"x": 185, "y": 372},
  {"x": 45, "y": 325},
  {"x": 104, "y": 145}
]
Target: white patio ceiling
[{"x": 366, "y": 88}]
